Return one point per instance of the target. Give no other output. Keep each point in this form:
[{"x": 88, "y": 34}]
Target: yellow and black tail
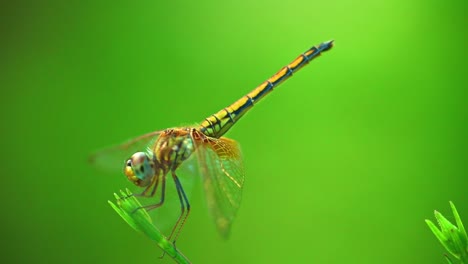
[{"x": 218, "y": 124}]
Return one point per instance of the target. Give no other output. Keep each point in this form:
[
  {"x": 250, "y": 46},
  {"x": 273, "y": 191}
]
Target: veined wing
[
  {"x": 113, "y": 158},
  {"x": 221, "y": 166}
]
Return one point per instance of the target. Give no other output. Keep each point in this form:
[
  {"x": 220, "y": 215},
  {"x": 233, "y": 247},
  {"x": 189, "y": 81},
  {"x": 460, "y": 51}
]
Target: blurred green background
[{"x": 343, "y": 162}]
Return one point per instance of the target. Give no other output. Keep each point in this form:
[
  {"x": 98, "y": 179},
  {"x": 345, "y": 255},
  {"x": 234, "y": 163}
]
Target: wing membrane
[
  {"x": 220, "y": 163},
  {"x": 112, "y": 159}
]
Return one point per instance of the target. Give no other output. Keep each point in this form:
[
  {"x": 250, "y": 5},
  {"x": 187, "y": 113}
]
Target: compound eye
[
  {"x": 128, "y": 170},
  {"x": 139, "y": 169}
]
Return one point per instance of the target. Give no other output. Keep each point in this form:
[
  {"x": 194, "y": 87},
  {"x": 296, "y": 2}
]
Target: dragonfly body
[
  {"x": 160, "y": 154},
  {"x": 218, "y": 124}
]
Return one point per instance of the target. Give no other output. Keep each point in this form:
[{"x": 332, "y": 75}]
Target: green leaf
[
  {"x": 441, "y": 236},
  {"x": 452, "y": 237},
  {"x": 448, "y": 229},
  {"x": 459, "y": 223},
  {"x": 130, "y": 209},
  {"x": 448, "y": 259}
]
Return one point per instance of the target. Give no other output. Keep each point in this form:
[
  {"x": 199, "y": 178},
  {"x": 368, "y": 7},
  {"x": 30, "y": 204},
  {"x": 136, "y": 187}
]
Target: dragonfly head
[{"x": 139, "y": 169}]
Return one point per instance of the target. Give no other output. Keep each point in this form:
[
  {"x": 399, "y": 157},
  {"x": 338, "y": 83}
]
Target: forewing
[
  {"x": 112, "y": 159},
  {"x": 220, "y": 163}
]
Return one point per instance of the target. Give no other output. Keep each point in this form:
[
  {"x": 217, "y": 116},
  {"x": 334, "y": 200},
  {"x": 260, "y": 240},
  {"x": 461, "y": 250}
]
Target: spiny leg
[
  {"x": 163, "y": 194},
  {"x": 143, "y": 193},
  {"x": 155, "y": 187},
  {"x": 187, "y": 204},
  {"x": 154, "y": 184},
  {"x": 184, "y": 203}
]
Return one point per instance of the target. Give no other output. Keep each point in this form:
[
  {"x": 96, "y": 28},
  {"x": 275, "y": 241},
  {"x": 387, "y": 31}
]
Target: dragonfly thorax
[
  {"x": 173, "y": 147},
  {"x": 140, "y": 169}
]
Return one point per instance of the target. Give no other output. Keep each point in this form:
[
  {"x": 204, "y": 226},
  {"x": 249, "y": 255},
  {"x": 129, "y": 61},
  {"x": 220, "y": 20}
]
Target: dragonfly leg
[
  {"x": 184, "y": 204},
  {"x": 163, "y": 194},
  {"x": 154, "y": 184}
]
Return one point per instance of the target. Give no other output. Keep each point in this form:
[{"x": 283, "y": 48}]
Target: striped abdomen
[{"x": 218, "y": 124}]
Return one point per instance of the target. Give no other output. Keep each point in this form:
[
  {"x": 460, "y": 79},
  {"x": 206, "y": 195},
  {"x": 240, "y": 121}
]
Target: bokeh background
[{"x": 343, "y": 162}]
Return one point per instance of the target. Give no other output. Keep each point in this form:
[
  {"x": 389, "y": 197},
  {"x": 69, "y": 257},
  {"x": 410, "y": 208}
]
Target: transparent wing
[
  {"x": 220, "y": 163},
  {"x": 112, "y": 159}
]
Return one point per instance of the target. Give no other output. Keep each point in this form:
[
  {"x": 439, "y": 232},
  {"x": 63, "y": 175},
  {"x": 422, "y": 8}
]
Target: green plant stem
[{"x": 130, "y": 209}]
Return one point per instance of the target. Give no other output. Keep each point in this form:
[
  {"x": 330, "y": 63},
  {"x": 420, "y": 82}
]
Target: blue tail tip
[{"x": 327, "y": 45}]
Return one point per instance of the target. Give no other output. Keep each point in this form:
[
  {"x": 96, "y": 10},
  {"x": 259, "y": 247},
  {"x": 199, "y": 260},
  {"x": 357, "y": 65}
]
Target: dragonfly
[{"x": 158, "y": 155}]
